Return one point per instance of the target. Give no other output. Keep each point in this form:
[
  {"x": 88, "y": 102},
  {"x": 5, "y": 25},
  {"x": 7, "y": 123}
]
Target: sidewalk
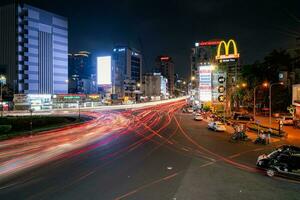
[
  {"x": 252, "y": 135},
  {"x": 293, "y": 133}
]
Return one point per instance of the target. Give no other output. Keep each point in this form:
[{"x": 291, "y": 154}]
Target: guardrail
[{"x": 104, "y": 107}]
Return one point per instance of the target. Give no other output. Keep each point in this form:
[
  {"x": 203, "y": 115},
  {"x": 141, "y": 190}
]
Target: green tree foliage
[{"x": 267, "y": 71}]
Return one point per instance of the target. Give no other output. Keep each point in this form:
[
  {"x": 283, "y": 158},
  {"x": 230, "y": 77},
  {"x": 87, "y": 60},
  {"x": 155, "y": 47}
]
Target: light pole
[
  {"x": 254, "y": 101},
  {"x": 78, "y": 110},
  {"x": 270, "y": 101},
  {"x": 2, "y": 80}
]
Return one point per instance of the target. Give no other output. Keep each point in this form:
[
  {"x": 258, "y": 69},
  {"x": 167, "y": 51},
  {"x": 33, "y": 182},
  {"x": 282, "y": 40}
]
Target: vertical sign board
[
  {"x": 216, "y": 86},
  {"x": 104, "y": 70},
  {"x": 104, "y": 74},
  {"x": 205, "y": 84}
]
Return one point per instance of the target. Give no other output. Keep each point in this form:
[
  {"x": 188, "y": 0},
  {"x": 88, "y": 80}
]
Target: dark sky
[{"x": 172, "y": 26}]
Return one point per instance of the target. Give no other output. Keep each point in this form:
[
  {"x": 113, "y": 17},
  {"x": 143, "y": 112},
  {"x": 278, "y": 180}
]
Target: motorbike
[
  {"x": 239, "y": 136},
  {"x": 260, "y": 141}
]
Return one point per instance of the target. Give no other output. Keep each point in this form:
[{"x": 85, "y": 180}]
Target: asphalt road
[{"x": 161, "y": 154}]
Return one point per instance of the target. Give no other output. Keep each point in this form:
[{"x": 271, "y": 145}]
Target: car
[
  {"x": 242, "y": 116},
  {"x": 286, "y": 120},
  {"x": 216, "y": 126},
  {"x": 198, "y": 117},
  {"x": 284, "y": 161},
  {"x": 190, "y": 110}
]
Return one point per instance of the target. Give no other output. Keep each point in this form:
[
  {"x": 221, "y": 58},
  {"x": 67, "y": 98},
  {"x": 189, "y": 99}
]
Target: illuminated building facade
[
  {"x": 155, "y": 85},
  {"x": 81, "y": 73},
  {"x": 127, "y": 71},
  {"x": 215, "y": 68},
  {"x": 34, "y": 49},
  {"x": 202, "y": 64},
  {"x": 165, "y": 66}
]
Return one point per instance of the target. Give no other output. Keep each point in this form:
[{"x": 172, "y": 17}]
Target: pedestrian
[
  {"x": 269, "y": 135},
  {"x": 263, "y": 137}
]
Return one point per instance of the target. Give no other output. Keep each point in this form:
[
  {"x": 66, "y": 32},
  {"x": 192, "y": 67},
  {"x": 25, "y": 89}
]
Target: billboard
[
  {"x": 104, "y": 70},
  {"x": 205, "y": 80}
]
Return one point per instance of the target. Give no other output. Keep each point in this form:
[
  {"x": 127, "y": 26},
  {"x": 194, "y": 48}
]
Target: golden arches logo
[{"x": 227, "y": 46}]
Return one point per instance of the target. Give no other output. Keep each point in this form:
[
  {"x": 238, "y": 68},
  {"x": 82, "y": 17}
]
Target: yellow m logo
[{"x": 227, "y": 46}]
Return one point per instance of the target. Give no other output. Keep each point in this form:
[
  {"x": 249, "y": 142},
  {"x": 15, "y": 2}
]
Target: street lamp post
[
  {"x": 2, "y": 79},
  {"x": 31, "y": 111},
  {"x": 254, "y": 100},
  {"x": 78, "y": 110},
  {"x": 270, "y": 101}
]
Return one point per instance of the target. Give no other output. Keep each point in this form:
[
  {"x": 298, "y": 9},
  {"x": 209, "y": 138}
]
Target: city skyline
[{"x": 154, "y": 27}]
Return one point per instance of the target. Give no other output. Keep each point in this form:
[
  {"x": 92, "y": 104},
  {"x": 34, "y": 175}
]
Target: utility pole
[{"x": 270, "y": 101}]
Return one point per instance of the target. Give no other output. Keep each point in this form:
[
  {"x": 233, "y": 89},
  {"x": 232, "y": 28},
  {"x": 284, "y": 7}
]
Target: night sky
[{"x": 172, "y": 27}]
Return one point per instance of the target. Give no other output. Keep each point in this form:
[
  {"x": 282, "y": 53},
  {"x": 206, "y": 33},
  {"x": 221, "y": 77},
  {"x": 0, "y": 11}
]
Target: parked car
[
  {"x": 284, "y": 161},
  {"x": 216, "y": 126},
  {"x": 286, "y": 120},
  {"x": 198, "y": 117},
  {"x": 190, "y": 110},
  {"x": 242, "y": 116}
]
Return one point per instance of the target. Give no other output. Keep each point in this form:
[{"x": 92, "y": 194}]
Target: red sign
[
  {"x": 165, "y": 58},
  {"x": 209, "y": 43}
]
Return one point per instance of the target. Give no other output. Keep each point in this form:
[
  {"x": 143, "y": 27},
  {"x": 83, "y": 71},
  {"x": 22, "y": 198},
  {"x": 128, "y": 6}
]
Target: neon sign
[
  {"x": 209, "y": 43},
  {"x": 165, "y": 58},
  {"x": 227, "y": 54}
]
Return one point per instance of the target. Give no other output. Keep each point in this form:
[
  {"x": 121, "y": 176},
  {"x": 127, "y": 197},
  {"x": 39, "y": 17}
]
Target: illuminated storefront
[
  {"x": 33, "y": 101},
  {"x": 68, "y": 100},
  {"x": 296, "y": 99}
]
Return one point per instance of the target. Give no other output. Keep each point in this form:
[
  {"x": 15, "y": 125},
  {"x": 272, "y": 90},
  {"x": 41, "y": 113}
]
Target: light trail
[{"x": 23, "y": 152}]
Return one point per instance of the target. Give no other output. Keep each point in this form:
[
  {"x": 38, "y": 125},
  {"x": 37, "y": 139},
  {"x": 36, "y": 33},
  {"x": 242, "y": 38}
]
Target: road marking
[
  {"x": 146, "y": 186},
  {"x": 185, "y": 149}
]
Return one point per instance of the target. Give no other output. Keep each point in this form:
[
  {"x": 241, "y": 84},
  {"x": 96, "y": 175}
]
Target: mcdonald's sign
[{"x": 227, "y": 54}]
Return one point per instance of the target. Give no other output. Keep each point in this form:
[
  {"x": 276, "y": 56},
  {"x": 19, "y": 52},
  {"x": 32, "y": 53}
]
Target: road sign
[
  {"x": 221, "y": 89},
  {"x": 221, "y": 98},
  {"x": 221, "y": 79}
]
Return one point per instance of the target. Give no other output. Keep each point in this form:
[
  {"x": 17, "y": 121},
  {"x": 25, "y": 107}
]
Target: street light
[
  {"x": 254, "y": 101},
  {"x": 78, "y": 102},
  {"x": 270, "y": 101},
  {"x": 244, "y": 85},
  {"x": 2, "y": 81}
]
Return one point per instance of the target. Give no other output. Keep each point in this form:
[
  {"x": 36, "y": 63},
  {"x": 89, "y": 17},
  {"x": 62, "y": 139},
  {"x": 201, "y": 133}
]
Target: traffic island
[{"x": 27, "y": 125}]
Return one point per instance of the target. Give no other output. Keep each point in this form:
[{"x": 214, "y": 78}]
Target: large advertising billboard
[
  {"x": 104, "y": 70},
  {"x": 205, "y": 86}
]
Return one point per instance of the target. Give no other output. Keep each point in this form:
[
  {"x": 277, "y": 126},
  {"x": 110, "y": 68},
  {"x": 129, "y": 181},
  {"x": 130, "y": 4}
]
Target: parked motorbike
[
  {"x": 239, "y": 136},
  {"x": 260, "y": 141}
]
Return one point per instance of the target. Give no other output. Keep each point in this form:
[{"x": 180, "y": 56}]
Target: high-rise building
[
  {"x": 81, "y": 73},
  {"x": 33, "y": 49},
  {"x": 155, "y": 86},
  {"x": 127, "y": 71},
  {"x": 165, "y": 66}
]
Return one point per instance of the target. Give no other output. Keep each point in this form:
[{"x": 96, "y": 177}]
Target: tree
[{"x": 267, "y": 71}]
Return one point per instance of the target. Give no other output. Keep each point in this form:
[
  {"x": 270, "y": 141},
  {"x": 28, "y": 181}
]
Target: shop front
[
  {"x": 68, "y": 100},
  {"x": 32, "y": 101},
  {"x": 296, "y": 99}
]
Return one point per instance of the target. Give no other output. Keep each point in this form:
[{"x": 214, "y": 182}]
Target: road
[{"x": 148, "y": 153}]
